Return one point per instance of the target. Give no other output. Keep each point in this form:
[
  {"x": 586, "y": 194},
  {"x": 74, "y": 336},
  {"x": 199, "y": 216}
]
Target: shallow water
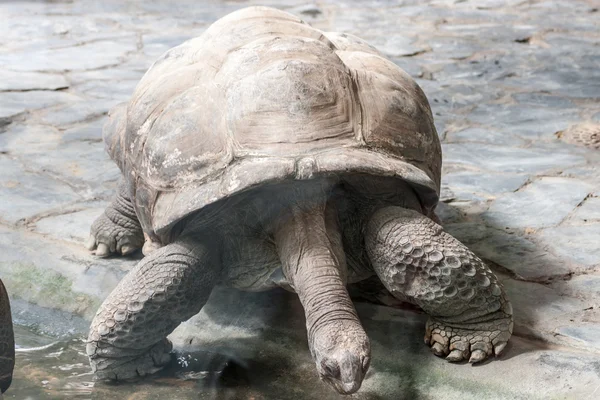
[{"x": 50, "y": 368}]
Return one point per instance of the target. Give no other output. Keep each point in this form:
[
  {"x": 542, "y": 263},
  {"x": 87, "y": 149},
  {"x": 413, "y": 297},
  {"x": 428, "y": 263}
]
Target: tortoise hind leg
[
  {"x": 117, "y": 230},
  {"x": 128, "y": 334},
  {"x": 470, "y": 317}
]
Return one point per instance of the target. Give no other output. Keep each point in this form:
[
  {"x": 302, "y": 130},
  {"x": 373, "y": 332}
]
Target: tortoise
[
  {"x": 7, "y": 341},
  {"x": 266, "y": 153}
]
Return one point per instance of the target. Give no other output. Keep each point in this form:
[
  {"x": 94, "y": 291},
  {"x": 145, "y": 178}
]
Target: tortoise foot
[
  {"x": 473, "y": 342},
  {"x": 128, "y": 368}
]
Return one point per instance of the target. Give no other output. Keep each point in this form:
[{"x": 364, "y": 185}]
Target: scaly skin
[
  {"x": 7, "y": 341},
  {"x": 127, "y": 337},
  {"x": 470, "y": 317},
  {"x": 117, "y": 230}
]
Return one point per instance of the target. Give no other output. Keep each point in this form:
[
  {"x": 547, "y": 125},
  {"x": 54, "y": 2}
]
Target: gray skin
[
  {"x": 266, "y": 153},
  {"x": 298, "y": 237},
  {"x": 7, "y": 341}
]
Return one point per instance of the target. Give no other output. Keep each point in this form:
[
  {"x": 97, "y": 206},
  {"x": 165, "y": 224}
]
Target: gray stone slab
[
  {"x": 578, "y": 243},
  {"x": 588, "y": 211},
  {"x": 16, "y": 81},
  {"x": 586, "y": 287},
  {"x": 509, "y": 159},
  {"x": 526, "y": 259},
  {"x": 525, "y": 120},
  {"x": 542, "y": 100},
  {"x": 57, "y": 274},
  {"x": 87, "y": 56},
  {"x": 540, "y": 310},
  {"x": 485, "y": 135},
  {"x": 456, "y": 48},
  {"x": 23, "y": 140},
  {"x": 26, "y": 194},
  {"x": 545, "y": 202},
  {"x": 71, "y": 226},
  {"x": 108, "y": 75},
  {"x": 115, "y": 91},
  {"x": 484, "y": 183},
  {"x": 399, "y": 45},
  {"x": 90, "y": 132},
  {"x": 15, "y": 103},
  {"x": 587, "y": 335},
  {"x": 81, "y": 111},
  {"x": 84, "y": 164}
]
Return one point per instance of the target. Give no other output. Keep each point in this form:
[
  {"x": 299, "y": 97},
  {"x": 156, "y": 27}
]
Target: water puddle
[{"x": 47, "y": 368}]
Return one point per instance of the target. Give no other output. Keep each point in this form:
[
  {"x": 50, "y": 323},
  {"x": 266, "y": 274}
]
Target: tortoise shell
[{"x": 259, "y": 98}]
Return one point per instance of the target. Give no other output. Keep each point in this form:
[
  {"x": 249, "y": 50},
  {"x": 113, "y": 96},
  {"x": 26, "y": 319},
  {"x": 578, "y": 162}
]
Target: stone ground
[{"x": 509, "y": 83}]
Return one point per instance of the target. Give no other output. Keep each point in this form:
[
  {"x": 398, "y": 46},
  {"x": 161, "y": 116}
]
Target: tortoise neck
[{"x": 309, "y": 244}]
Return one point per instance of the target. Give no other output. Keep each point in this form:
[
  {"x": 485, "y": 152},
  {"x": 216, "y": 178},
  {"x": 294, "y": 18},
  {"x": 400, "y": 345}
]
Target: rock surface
[{"x": 503, "y": 78}]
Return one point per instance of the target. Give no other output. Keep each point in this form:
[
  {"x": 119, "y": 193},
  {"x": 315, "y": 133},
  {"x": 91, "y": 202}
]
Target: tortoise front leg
[
  {"x": 128, "y": 334},
  {"x": 470, "y": 317},
  {"x": 7, "y": 342},
  {"x": 118, "y": 229}
]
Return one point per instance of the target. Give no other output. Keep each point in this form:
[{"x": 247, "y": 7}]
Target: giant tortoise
[{"x": 266, "y": 153}]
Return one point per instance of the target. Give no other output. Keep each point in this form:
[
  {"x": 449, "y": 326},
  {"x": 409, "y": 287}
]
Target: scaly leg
[
  {"x": 470, "y": 316},
  {"x": 117, "y": 230},
  {"x": 128, "y": 334}
]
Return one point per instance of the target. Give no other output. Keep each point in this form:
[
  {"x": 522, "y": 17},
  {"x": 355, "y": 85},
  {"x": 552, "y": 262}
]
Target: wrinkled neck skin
[{"x": 309, "y": 243}]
